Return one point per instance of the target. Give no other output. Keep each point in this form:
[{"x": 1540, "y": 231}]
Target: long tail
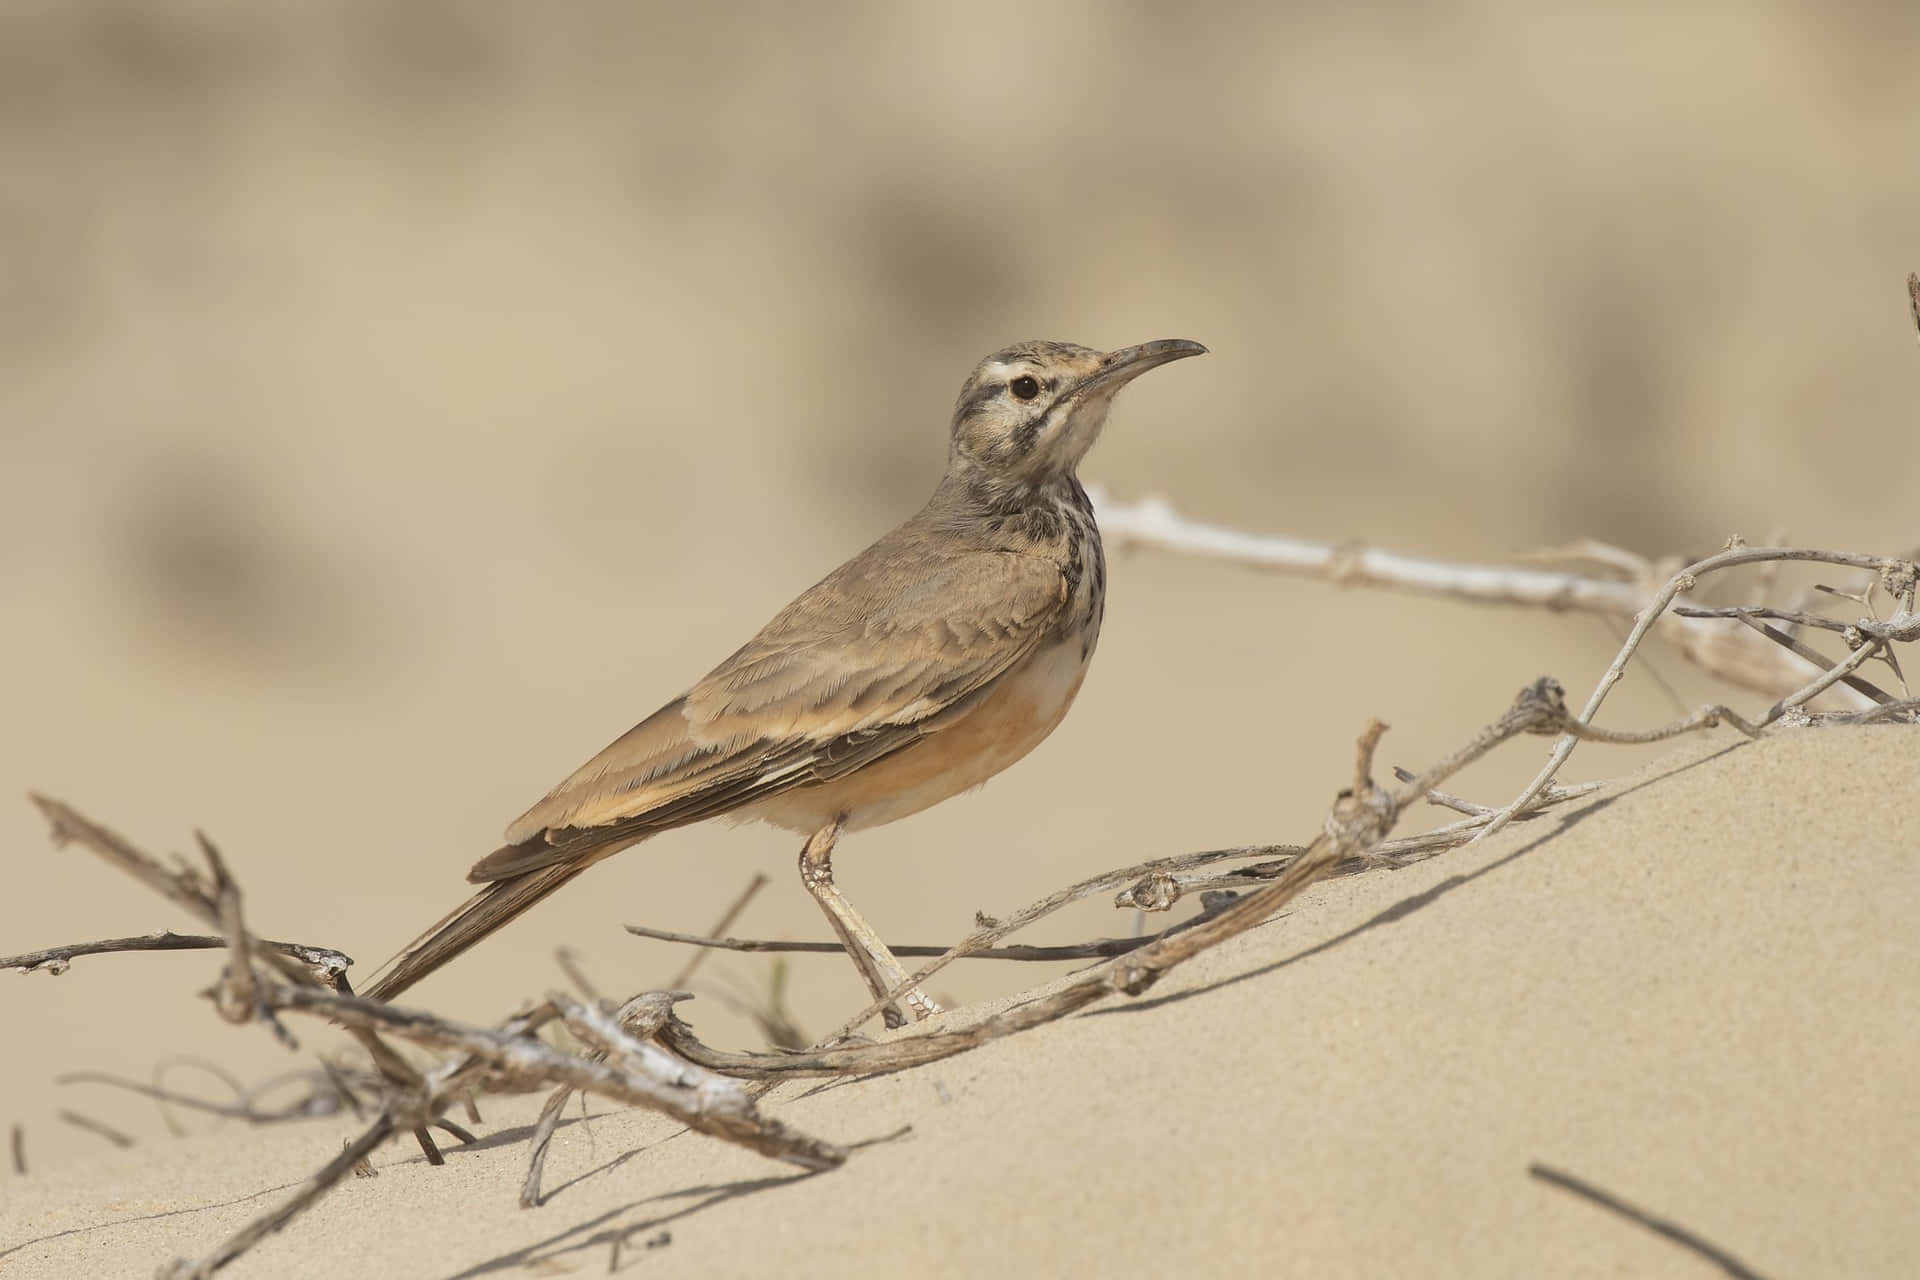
[{"x": 479, "y": 916}]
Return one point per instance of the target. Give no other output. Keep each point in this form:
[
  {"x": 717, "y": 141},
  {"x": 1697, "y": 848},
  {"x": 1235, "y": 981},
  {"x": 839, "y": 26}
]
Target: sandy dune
[{"x": 1691, "y": 995}]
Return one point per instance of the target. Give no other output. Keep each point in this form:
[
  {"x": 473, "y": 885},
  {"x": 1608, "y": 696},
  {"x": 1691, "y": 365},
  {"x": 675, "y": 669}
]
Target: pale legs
[{"x": 877, "y": 965}]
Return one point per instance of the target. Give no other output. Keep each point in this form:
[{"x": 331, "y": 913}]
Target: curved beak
[{"x": 1123, "y": 366}]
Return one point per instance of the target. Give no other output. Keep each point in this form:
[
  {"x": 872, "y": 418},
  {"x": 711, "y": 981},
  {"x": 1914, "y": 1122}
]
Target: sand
[{"x": 1692, "y": 994}]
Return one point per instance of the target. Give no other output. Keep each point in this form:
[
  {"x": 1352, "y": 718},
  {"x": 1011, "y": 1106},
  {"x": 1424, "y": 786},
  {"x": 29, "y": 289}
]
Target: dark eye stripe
[{"x": 981, "y": 395}]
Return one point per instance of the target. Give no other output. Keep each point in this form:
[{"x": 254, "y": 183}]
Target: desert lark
[{"x": 917, "y": 670}]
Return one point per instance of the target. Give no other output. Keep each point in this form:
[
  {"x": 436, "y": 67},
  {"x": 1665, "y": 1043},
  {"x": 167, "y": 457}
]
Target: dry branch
[
  {"x": 335, "y": 1097},
  {"x": 266, "y": 1224},
  {"x": 1897, "y": 577},
  {"x": 1358, "y": 822},
  {"x": 99, "y": 1128},
  {"x": 1097, "y": 949},
  {"x": 641, "y": 1018},
  {"x": 260, "y": 983},
  {"x": 1157, "y": 885},
  {"x": 720, "y": 926},
  {"x": 324, "y": 961},
  {"x": 185, "y": 887},
  {"x": 1719, "y": 645}
]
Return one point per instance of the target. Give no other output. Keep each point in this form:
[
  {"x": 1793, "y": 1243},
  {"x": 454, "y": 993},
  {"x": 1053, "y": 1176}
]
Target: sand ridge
[{"x": 1690, "y": 993}]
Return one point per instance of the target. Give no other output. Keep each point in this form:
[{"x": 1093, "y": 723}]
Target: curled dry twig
[{"x": 1897, "y": 577}]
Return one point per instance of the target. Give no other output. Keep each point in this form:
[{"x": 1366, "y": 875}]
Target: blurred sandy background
[{"x": 399, "y": 400}]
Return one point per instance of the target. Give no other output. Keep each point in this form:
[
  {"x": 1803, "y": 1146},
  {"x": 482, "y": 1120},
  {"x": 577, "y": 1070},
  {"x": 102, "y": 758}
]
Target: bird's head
[{"x": 1028, "y": 414}]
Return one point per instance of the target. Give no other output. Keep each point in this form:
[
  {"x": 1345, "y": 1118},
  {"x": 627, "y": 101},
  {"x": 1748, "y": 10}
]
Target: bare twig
[
  {"x": 632, "y": 1071},
  {"x": 323, "y": 1180},
  {"x": 543, "y": 1130},
  {"x": 765, "y": 1006},
  {"x": 1359, "y": 821},
  {"x": 1904, "y": 711},
  {"x": 720, "y": 926},
  {"x": 163, "y": 1100},
  {"x": 1728, "y": 1265},
  {"x": 514, "y": 1058},
  {"x": 1154, "y": 522},
  {"x": 1395, "y": 854},
  {"x": 1718, "y": 645},
  {"x": 1446, "y": 800},
  {"x": 1537, "y": 709},
  {"x": 99, "y": 1128},
  {"x": 640, "y": 1018},
  {"x": 1899, "y": 576},
  {"x": 570, "y": 965},
  {"x": 1785, "y": 641},
  {"x": 185, "y": 888},
  {"x": 235, "y": 998},
  {"x": 1160, "y": 888},
  {"x": 1901, "y": 629},
  {"x": 1798, "y": 617},
  {"x": 245, "y": 1109},
  {"x": 631, "y": 1015},
  {"x": 1095, "y": 950},
  {"x": 324, "y": 961}
]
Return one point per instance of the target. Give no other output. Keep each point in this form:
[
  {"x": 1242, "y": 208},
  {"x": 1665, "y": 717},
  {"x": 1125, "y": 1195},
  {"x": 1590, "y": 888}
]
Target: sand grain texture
[{"x": 1694, "y": 994}]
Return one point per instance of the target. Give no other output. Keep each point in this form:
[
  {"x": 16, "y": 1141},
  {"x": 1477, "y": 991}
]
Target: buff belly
[{"x": 1024, "y": 707}]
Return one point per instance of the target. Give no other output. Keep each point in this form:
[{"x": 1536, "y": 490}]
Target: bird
[{"x": 923, "y": 666}]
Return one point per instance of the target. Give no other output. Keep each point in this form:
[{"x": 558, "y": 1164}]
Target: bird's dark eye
[{"x": 1025, "y": 387}]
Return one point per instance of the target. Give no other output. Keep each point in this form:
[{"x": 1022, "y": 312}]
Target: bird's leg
[{"x": 877, "y": 965}]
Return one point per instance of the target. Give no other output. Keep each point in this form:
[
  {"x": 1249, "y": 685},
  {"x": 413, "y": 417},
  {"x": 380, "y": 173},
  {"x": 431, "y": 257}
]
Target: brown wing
[{"x": 873, "y": 657}]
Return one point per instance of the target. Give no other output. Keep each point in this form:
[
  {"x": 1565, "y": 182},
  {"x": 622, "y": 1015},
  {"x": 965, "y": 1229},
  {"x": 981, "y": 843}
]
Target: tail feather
[{"x": 479, "y": 916}]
